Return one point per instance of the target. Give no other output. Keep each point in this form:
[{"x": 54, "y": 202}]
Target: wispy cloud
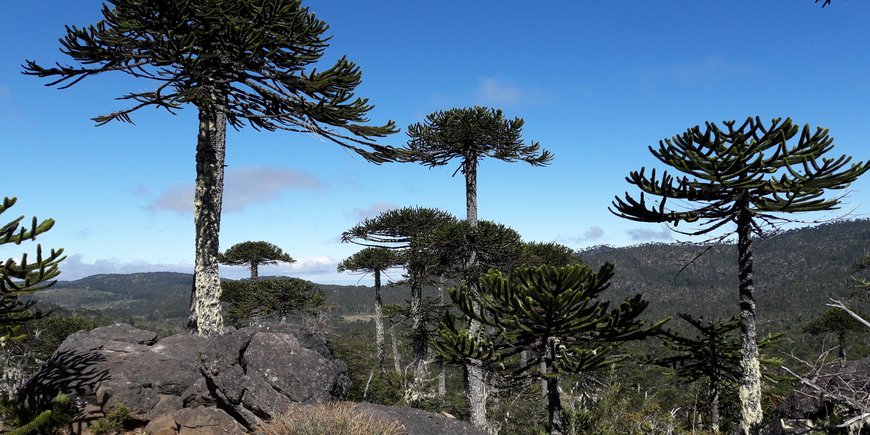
[
  {"x": 243, "y": 186},
  {"x": 711, "y": 68},
  {"x": 4, "y": 92},
  {"x": 498, "y": 92},
  {"x": 646, "y": 234},
  {"x": 591, "y": 234},
  {"x": 372, "y": 210},
  {"x": 74, "y": 267}
]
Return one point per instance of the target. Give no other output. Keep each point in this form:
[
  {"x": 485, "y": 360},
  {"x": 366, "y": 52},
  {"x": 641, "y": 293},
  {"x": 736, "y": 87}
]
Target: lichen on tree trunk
[
  {"x": 379, "y": 324},
  {"x": 205, "y": 307},
  {"x": 476, "y": 385},
  {"x": 750, "y": 385}
]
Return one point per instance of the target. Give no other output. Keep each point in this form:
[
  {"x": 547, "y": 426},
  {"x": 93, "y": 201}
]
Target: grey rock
[
  {"x": 419, "y": 422},
  {"x": 249, "y": 374}
]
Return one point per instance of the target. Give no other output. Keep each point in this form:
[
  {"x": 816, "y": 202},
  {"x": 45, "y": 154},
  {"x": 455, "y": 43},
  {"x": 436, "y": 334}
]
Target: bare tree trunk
[
  {"x": 419, "y": 335},
  {"x": 397, "y": 363},
  {"x": 475, "y": 387},
  {"x": 442, "y": 367},
  {"x": 205, "y": 306},
  {"x": 254, "y": 273},
  {"x": 554, "y": 402},
  {"x": 379, "y": 324},
  {"x": 750, "y": 385},
  {"x": 714, "y": 407},
  {"x": 841, "y": 347}
]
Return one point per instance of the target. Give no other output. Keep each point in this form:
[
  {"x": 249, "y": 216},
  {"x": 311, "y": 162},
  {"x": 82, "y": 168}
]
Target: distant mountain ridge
[{"x": 795, "y": 273}]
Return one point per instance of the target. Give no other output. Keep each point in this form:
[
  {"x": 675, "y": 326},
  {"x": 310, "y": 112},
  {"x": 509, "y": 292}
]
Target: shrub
[
  {"x": 329, "y": 418},
  {"x": 114, "y": 421}
]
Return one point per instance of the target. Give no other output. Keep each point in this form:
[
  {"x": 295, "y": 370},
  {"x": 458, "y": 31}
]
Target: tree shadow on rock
[{"x": 69, "y": 372}]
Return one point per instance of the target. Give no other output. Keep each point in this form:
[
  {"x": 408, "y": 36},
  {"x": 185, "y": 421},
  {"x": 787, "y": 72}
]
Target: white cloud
[
  {"x": 372, "y": 210},
  {"x": 243, "y": 186},
  {"x": 321, "y": 269},
  {"x": 592, "y": 233},
  {"x": 706, "y": 69},
  {"x": 646, "y": 234},
  {"x": 74, "y": 267},
  {"x": 498, "y": 92}
]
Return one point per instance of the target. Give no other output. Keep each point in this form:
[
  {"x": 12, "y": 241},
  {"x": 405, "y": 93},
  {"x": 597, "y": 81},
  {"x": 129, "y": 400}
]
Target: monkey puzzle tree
[
  {"x": 548, "y": 254},
  {"x": 406, "y": 230},
  {"x": 712, "y": 356},
  {"x": 555, "y": 312},
  {"x": 23, "y": 276},
  {"x": 253, "y": 254},
  {"x": 274, "y": 298},
  {"x": 839, "y": 322},
  {"x": 375, "y": 261},
  {"x": 469, "y": 135},
  {"x": 745, "y": 175},
  {"x": 242, "y": 62}
]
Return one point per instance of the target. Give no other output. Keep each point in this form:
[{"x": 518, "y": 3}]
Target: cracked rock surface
[{"x": 244, "y": 376}]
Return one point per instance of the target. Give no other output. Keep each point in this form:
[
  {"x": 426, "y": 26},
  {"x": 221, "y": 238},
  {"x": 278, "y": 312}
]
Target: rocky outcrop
[{"x": 243, "y": 376}]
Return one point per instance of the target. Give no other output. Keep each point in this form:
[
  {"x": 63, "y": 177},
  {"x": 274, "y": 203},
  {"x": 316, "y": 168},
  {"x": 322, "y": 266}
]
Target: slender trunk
[
  {"x": 714, "y": 407},
  {"x": 397, "y": 362},
  {"x": 475, "y": 387},
  {"x": 554, "y": 403},
  {"x": 841, "y": 347},
  {"x": 442, "y": 367},
  {"x": 205, "y": 306},
  {"x": 750, "y": 385},
  {"x": 379, "y": 324},
  {"x": 254, "y": 273},
  {"x": 419, "y": 335}
]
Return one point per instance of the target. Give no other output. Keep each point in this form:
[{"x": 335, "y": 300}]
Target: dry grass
[{"x": 329, "y": 418}]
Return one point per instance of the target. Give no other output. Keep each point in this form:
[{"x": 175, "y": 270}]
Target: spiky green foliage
[
  {"x": 493, "y": 246},
  {"x": 712, "y": 356},
  {"x": 273, "y": 298},
  {"x": 553, "y": 311},
  {"x": 838, "y": 322},
  {"x": 254, "y": 57},
  {"x": 407, "y": 230},
  {"x": 239, "y": 62},
  {"x": 537, "y": 254},
  {"x": 748, "y": 167},
  {"x": 370, "y": 260},
  {"x": 253, "y": 255},
  {"x": 470, "y": 134},
  {"x": 747, "y": 174},
  {"x": 24, "y": 275}
]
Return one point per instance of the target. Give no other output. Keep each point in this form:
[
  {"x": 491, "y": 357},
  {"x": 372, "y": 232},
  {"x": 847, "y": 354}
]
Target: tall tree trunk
[
  {"x": 750, "y": 385},
  {"x": 475, "y": 387},
  {"x": 419, "y": 339},
  {"x": 379, "y": 324},
  {"x": 205, "y": 306},
  {"x": 714, "y": 406},
  {"x": 442, "y": 367},
  {"x": 254, "y": 273},
  {"x": 397, "y": 363},
  {"x": 841, "y": 347},
  {"x": 554, "y": 402}
]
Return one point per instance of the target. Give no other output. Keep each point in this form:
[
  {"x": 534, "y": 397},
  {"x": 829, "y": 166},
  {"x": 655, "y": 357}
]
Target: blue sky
[{"x": 596, "y": 82}]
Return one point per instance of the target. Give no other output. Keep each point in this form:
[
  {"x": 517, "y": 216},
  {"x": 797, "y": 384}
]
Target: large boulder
[{"x": 245, "y": 375}]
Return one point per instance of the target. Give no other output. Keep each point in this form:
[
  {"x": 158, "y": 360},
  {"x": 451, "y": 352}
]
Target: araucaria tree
[
  {"x": 712, "y": 356},
  {"x": 242, "y": 62},
  {"x": 838, "y": 322},
  {"x": 470, "y": 135},
  {"x": 375, "y": 261},
  {"x": 407, "y": 230},
  {"x": 23, "y": 275},
  {"x": 747, "y": 174},
  {"x": 553, "y": 311},
  {"x": 254, "y": 254}
]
